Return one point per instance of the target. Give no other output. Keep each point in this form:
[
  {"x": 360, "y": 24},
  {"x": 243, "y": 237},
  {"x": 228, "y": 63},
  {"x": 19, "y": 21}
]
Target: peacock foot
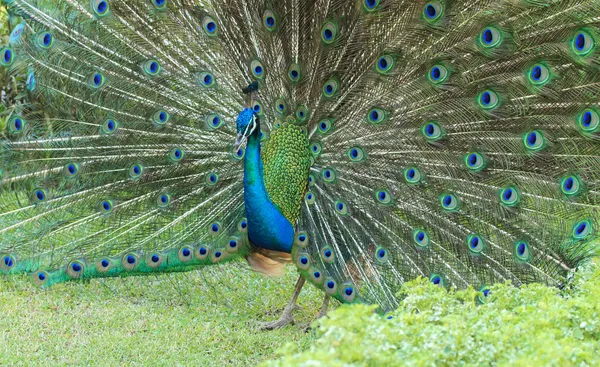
[
  {"x": 323, "y": 312},
  {"x": 283, "y": 321}
]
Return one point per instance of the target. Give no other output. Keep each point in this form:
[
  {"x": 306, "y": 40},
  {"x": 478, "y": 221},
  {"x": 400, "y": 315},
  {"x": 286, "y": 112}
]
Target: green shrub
[{"x": 530, "y": 326}]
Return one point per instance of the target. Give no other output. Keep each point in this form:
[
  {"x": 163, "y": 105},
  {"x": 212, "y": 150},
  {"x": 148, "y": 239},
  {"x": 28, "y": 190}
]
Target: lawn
[{"x": 202, "y": 318}]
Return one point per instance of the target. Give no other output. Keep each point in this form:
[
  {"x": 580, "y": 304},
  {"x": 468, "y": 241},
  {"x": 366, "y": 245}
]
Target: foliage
[{"x": 530, "y": 326}]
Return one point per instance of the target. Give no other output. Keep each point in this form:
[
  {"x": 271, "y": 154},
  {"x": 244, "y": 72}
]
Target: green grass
[{"x": 203, "y": 318}]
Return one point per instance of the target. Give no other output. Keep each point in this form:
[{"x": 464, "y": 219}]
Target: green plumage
[{"x": 454, "y": 140}]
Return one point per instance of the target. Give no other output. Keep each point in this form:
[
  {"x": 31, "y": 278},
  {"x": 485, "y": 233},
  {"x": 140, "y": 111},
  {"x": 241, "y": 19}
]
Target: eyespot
[
  {"x": 185, "y": 254},
  {"x": 449, "y": 202},
  {"x": 582, "y": 229},
  {"x": 356, "y": 154},
  {"x": 160, "y": 4},
  {"x": 39, "y": 196},
  {"x": 31, "y": 83},
  {"x": 583, "y": 43},
  {"x": 151, "y": 67},
  {"x": 161, "y": 117},
  {"x": 257, "y": 107},
  {"x": 217, "y": 256},
  {"x": 294, "y": 73},
  {"x": 327, "y": 254},
  {"x": 315, "y": 149},
  {"x": 211, "y": 179},
  {"x": 310, "y": 198},
  {"x": 475, "y": 162},
  {"x": 421, "y": 238},
  {"x": 316, "y": 276},
  {"x": 135, "y": 171},
  {"x": 311, "y": 180},
  {"x": 534, "y": 141},
  {"x": 383, "y": 197},
  {"x": 385, "y": 64},
  {"x": 71, "y": 170},
  {"x": 209, "y": 25},
  {"x": 330, "y": 286},
  {"x": 109, "y": 126},
  {"x": 163, "y": 200},
  {"x": 16, "y": 33},
  {"x": 100, "y": 7},
  {"x": 176, "y": 154},
  {"x": 7, "y": 263},
  {"x": 376, "y": 116},
  {"x": 243, "y": 225},
  {"x": 201, "y": 252},
  {"x": 510, "y": 196},
  {"x": 382, "y": 255},
  {"x": 239, "y": 153},
  {"x": 348, "y": 292},
  {"x": 539, "y": 74},
  {"x": 341, "y": 207},
  {"x": 45, "y": 40},
  {"x": 155, "y": 260},
  {"x": 330, "y": 88},
  {"x": 329, "y": 32},
  {"x": 301, "y": 239},
  {"x": 96, "y": 80},
  {"x": 16, "y": 125},
  {"x": 412, "y": 175},
  {"x": 214, "y": 122},
  {"x": 490, "y": 37},
  {"x": 488, "y": 99},
  {"x": 7, "y": 56},
  {"x": 129, "y": 261},
  {"x": 371, "y": 5},
  {"x": 257, "y": 69},
  {"x": 433, "y": 11},
  {"x": 328, "y": 175},
  {"x": 269, "y": 20},
  {"x": 571, "y": 185},
  {"x": 438, "y": 280},
  {"x": 588, "y": 120},
  {"x": 301, "y": 113},
  {"x": 281, "y": 106},
  {"x": 325, "y": 126},
  {"x": 438, "y": 74},
  {"x": 75, "y": 269},
  {"x": 106, "y": 206},
  {"x": 40, "y": 278},
  {"x": 214, "y": 228},
  {"x": 484, "y": 294},
  {"x": 475, "y": 243},
  {"x": 522, "y": 252},
  {"x": 432, "y": 131},
  {"x": 103, "y": 265},
  {"x": 303, "y": 261},
  {"x": 206, "y": 79}
]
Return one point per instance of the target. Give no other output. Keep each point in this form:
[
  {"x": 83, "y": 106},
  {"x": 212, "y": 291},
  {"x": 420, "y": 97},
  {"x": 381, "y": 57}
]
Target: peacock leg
[
  {"x": 324, "y": 306},
  {"x": 322, "y": 312},
  {"x": 286, "y": 316}
]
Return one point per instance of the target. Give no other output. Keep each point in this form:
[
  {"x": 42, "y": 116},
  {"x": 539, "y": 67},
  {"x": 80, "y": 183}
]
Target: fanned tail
[
  {"x": 126, "y": 165},
  {"x": 453, "y": 140}
]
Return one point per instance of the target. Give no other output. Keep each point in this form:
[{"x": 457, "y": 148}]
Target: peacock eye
[
  {"x": 269, "y": 20},
  {"x": 329, "y": 32},
  {"x": 209, "y": 25},
  {"x": 490, "y": 37},
  {"x": 583, "y": 43}
]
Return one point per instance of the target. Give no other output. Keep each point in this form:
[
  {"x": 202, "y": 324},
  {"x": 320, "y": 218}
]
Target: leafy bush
[{"x": 529, "y": 326}]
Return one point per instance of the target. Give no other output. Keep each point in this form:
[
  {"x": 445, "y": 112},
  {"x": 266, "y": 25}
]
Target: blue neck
[{"x": 267, "y": 227}]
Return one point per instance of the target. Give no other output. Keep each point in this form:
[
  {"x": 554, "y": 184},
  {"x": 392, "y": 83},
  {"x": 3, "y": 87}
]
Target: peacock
[{"x": 368, "y": 142}]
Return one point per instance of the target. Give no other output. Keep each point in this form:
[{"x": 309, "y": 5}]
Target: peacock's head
[{"x": 246, "y": 123}]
